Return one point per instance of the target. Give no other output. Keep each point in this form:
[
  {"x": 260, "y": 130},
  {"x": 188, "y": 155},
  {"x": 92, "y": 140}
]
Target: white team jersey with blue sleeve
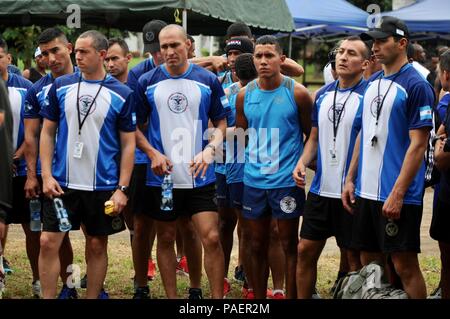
[
  {"x": 177, "y": 110},
  {"x": 407, "y": 106},
  {"x": 331, "y": 172},
  {"x": 17, "y": 90},
  {"x": 113, "y": 110}
]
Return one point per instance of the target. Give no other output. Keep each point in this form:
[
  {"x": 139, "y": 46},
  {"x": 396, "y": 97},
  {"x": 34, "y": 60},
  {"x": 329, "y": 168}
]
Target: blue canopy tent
[
  {"x": 326, "y": 18},
  {"x": 426, "y": 18}
]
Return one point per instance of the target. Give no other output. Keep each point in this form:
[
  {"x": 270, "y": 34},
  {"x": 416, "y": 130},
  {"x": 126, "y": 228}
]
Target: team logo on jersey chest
[
  {"x": 85, "y": 102},
  {"x": 374, "y": 105},
  {"x": 288, "y": 204},
  {"x": 177, "y": 102},
  {"x": 337, "y": 111}
]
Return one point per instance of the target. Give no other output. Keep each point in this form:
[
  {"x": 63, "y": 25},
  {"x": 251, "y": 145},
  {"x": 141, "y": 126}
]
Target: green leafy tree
[{"x": 22, "y": 42}]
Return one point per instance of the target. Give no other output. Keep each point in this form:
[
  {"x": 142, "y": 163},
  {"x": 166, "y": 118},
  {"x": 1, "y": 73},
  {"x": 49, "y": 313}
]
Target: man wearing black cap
[{"x": 396, "y": 121}]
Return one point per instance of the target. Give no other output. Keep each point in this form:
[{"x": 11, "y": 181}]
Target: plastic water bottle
[
  {"x": 61, "y": 214},
  {"x": 35, "y": 214},
  {"x": 166, "y": 193}
]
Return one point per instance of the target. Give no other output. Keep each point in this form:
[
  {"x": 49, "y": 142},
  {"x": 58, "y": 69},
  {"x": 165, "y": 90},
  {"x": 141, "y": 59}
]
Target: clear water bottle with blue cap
[
  {"x": 35, "y": 214},
  {"x": 61, "y": 214},
  {"x": 167, "y": 193}
]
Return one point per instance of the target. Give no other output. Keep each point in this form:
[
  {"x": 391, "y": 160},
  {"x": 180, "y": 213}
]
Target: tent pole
[
  {"x": 185, "y": 16},
  {"x": 185, "y": 19},
  {"x": 304, "y": 61},
  {"x": 290, "y": 46}
]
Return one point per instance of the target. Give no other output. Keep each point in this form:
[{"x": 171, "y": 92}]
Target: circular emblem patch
[
  {"x": 149, "y": 36},
  {"x": 338, "y": 110},
  {"x": 177, "y": 102},
  {"x": 288, "y": 204},
  {"x": 117, "y": 223},
  {"x": 85, "y": 103},
  {"x": 374, "y": 105},
  {"x": 391, "y": 228}
]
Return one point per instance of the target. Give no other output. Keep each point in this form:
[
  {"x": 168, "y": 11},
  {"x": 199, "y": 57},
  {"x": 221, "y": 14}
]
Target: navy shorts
[
  {"x": 236, "y": 191},
  {"x": 280, "y": 203}
]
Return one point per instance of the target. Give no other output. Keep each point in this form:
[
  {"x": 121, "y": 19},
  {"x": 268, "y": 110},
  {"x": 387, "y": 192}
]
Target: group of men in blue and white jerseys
[{"x": 94, "y": 137}]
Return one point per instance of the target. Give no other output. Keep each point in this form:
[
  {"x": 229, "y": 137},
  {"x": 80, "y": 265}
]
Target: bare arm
[
  {"x": 411, "y": 164},
  {"x": 26, "y": 73},
  {"x": 127, "y": 148},
  {"x": 348, "y": 193},
  {"x": 309, "y": 154},
  {"x": 304, "y": 104},
  {"x": 51, "y": 187},
  {"x": 241, "y": 120},
  {"x": 202, "y": 160},
  {"x": 291, "y": 68},
  {"x": 32, "y": 127},
  {"x": 213, "y": 63},
  {"x": 441, "y": 158},
  {"x": 160, "y": 164}
]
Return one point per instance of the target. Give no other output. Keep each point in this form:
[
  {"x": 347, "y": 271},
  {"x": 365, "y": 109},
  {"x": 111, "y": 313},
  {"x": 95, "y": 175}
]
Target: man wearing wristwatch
[
  {"x": 92, "y": 114},
  {"x": 176, "y": 99}
]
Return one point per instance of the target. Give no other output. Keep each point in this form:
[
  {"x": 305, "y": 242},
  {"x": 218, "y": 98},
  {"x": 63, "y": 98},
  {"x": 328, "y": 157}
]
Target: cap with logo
[
  {"x": 37, "y": 52},
  {"x": 387, "y": 26},
  {"x": 243, "y": 44},
  {"x": 150, "y": 34}
]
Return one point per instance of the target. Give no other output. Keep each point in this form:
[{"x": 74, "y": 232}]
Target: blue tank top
[{"x": 275, "y": 135}]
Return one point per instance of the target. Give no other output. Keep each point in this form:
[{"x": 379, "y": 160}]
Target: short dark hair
[
  {"x": 51, "y": 34},
  {"x": 245, "y": 67},
  {"x": 190, "y": 37},
  {"x": 4, "y": 45},
  {"x": 121, "y": 42},
  {"x": 410, "y": 51},
  {"x": 239, "y": 29},
  {"x": 444, "y": 61},
  {"x": 367, "y": 50},
  {"x": 269, "y": 39},
  {"x": 99, "y": 41}
]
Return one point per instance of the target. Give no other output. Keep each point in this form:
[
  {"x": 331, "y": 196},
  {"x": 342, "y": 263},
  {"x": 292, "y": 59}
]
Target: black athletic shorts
[
  {"x": 87, "y": 207},
  {"x": 137, "y": 202},
  {"x": 440, "y": 222},
  {"x": 20, "y": 212},
  {"x": 372, "y": 232},
  {"x": 186, "y": 201},
  {"x": 324, "y": 217}
]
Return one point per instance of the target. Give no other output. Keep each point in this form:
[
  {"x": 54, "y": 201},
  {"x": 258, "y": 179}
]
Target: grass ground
[{"x": 119, "y": 282}]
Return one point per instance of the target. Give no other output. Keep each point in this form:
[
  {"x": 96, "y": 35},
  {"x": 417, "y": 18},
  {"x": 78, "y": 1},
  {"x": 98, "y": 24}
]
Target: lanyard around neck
[{"x": 82, "y": 121}]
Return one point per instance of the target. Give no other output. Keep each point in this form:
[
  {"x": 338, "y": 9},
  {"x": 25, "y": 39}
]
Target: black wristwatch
[{"x": 123, "y": 188}]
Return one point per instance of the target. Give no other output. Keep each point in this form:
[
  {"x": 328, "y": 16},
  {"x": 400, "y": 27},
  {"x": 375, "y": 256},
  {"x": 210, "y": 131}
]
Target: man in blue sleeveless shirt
[{"x": 276, "y": 111}]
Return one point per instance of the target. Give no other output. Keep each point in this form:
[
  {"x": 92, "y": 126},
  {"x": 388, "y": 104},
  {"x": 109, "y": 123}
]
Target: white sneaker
[
  {"x": 316, "y": 294},
  {"x": 436, "y": 294},
  {"x": 36, "y": 288}
]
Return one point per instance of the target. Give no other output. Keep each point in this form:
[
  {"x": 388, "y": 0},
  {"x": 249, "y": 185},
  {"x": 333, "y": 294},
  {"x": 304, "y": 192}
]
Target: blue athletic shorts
[
  {"x": 280, "y": 203},
  {"x": 236, "y": 192}
]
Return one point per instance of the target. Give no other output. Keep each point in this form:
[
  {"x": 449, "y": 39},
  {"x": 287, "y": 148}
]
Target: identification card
[
  {"x": 78, "y": 150},
  {"x": 333, "y": 160}
]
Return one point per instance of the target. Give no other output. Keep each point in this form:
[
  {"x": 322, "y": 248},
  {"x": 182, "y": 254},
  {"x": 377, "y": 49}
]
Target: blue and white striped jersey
[
  {"x": 407, "y": 106},
  {"x": 177, "y": 110},
  {"x": 331, "y": 172},
  {"x": 113, "y": 110}
]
